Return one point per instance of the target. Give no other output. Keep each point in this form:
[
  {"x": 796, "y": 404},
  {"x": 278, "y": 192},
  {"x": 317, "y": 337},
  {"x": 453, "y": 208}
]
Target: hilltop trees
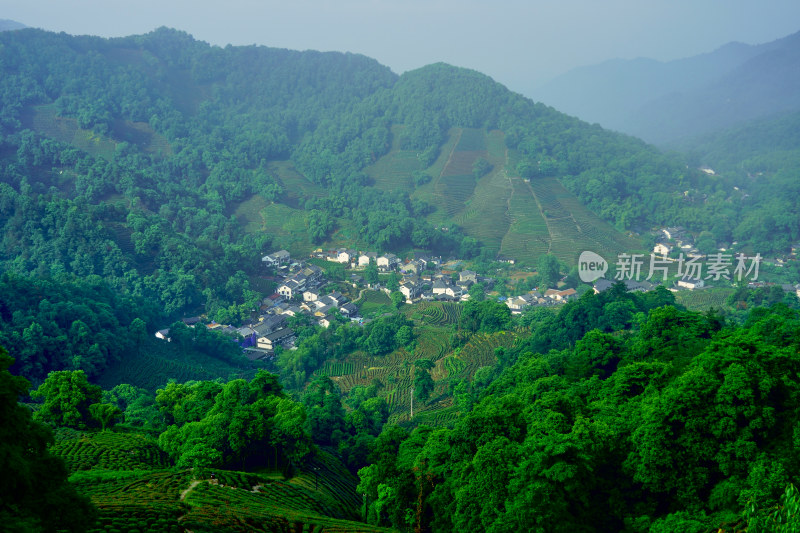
[
  {"x": 68, "y": 397},
  {"x": 248, "y": 424},
  {"x": 423, "y": 382},
  {"x": 486, "y": 316}
]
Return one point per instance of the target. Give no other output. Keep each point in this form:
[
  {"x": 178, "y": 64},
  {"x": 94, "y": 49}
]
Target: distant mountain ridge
[
  {"x": 7, "y": 25},
  {"x": 665, "y": 101}
]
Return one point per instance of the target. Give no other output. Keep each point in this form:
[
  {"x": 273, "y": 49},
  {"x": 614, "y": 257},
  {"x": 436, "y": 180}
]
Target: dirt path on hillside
[
  {"x": 544, "y": 217},
  {"x": 191, "y": 486},
  {"x": 360, "y": 295},
  {"x": 184, "y": 493},
  {"x": 449, "y": 158}
]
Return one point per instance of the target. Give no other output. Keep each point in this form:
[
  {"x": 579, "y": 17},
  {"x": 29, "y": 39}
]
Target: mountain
[
  {"x": 7, "y": 25},
  {"x": 665, "y": 101},
  {"x": 299, "y": 130},
  {"x": 168, "y": 167}
]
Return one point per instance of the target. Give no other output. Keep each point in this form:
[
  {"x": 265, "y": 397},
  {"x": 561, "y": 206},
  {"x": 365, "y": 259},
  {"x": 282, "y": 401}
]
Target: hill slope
[{"x": 167, "y": 166}]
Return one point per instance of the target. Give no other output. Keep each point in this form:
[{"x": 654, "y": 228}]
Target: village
[{"x": 305, "y": 292}]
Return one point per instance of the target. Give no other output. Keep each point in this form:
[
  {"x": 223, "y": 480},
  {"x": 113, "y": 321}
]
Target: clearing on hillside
[{"x": 44, "y": 119}]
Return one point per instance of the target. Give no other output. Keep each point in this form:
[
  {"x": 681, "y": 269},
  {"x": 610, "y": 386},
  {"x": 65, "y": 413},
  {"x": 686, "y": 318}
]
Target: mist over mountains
[{"x": 662, "y": 102}]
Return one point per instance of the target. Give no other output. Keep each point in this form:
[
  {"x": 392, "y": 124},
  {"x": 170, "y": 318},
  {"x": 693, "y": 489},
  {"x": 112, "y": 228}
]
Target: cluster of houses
[
  {"x": 674, "y": 239},
  {"x": 353, "y": 259},
  {"x": 440, "y": 285},
  {"x": 423, "y": 278},
  {"x": 518, "y": 304},
  {"x": 671, "y": 241}
]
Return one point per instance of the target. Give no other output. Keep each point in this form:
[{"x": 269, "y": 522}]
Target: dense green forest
[{"x": 678, "y": 422}]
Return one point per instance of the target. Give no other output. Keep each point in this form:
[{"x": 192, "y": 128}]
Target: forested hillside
[{"x": 164, "y": 148}]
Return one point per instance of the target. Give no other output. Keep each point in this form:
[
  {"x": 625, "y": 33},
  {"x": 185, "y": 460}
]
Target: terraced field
[
  {"x": 437, "y": 313},
  {"x": 288, "y": 226},
  {"x": 434, "y": 342},
  {"x": 148, "y": 504},
  {"x": 503, "y": 212},
  {"x": 373, "y": 303},
  {"x": 456, "y": 183},
  {"x": 472, "y": 140},
  {"x": 394, "y": 170},
  {"x": 479, "y": 351},
  {"x": 155, "y": 365},
  {"x": 574, "y": 228},
  {"x": 135, "y": 489},
  {"x": 249, "y": 213},
  {"x": 453, "y": 191},
  {"x": 110, "y": 451},
  {"x": 486, "y": 216},
  {"x": 704, "y": 299},
  {"x": 496, "y": 146},
  {"x": 272, "y": 507},
  {"x": 297, "y": 188}
]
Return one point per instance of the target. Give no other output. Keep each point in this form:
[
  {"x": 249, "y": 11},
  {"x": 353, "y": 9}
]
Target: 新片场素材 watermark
[{"x": 592, "y": 266}]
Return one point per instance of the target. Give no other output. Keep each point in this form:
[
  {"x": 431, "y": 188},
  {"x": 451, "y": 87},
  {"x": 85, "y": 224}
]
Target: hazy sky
[{"x": 518, "y": 43}]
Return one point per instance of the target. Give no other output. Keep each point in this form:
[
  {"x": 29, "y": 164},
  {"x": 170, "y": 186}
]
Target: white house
[
  {"x": 468, "y": 275},
  {"x": 412, "y": 267},
  {"x": 518, "y": 303},
  {"x": 387, "y": 261},
  {"x": 291, "y": 288},
  {"x": 270, "y": 341},
  {"x": 364, "y": 259},
  {"x": 691, "y": 283},
  {"x": 662, "y": 249},
  {"x": 410, "y": 290},
  {"x": 454, "y": 291},
  {"x": 439, "y": 287},
  {"x": 567, "y": 294},
  {"x": 672, "y": 233},
  {"x": 281, "y": 257},
  {"x": 345, "y": 256}
]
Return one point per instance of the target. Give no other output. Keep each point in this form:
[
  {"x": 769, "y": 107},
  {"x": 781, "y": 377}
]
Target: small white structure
[
  {"x": 691, "y": 283},
  {"x": 662, "y": 249},
  {"x": 387, "y": 261},
  {"x": 281, "y": 257},
  {"x": 364, "y": 259}
]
